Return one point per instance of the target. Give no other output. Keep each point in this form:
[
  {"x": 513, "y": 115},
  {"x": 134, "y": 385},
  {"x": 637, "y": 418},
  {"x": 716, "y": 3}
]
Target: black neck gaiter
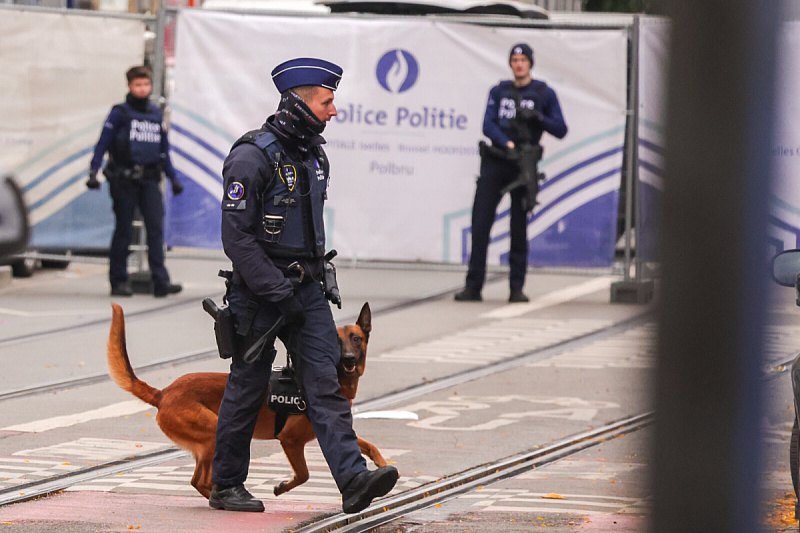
[
  {"x": 139, "y": 104},
  {"x": 296, "y": 120}
]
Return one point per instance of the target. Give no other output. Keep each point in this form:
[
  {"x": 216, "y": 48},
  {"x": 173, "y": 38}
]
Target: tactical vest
[
  {"x": 138, "y": 141},
  {"x": 292, "y": 213}
]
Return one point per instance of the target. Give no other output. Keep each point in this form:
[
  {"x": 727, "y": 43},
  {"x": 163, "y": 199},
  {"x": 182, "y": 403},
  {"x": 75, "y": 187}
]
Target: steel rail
[
  {"x": 449, "y": 487},
  {"x": 53, "y": 484},
  {"x": 37, "y": 335}
]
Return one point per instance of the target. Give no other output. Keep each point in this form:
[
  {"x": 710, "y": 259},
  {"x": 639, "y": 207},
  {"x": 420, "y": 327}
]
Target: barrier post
[{"x": 629, "y": 290}]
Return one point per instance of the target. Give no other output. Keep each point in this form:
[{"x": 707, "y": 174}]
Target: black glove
[
  {"x": 92, "y": 182},
  {"x": 293, "y": 312},
  {"x": 177, "y": 188},
  {"x": 531, "y": 115}
]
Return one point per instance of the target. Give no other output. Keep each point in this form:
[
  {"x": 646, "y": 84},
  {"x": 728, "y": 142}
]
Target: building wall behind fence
[
  {"x": 403, "y": 148},
  {"x": 61, "y": 75}
]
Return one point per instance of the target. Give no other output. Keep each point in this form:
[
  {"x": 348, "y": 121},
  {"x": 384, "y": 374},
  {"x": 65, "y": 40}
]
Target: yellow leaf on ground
[{"x": 553, "y": 496}]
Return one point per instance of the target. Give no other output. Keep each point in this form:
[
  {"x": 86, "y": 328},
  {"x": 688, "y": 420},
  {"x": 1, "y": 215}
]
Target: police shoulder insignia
[
  {"x": 235, "y": 191},
  {"x": 289, "y": 176}
]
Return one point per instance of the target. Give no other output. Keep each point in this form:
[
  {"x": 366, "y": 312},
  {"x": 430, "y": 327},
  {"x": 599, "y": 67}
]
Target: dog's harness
[{"x": 284, "y": 396}]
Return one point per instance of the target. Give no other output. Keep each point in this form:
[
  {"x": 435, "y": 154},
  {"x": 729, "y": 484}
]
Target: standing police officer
[
  {"x": 275, "y": 183},
  {"x": 539, "y": 111},
  {"x": 138, "y": 150}
]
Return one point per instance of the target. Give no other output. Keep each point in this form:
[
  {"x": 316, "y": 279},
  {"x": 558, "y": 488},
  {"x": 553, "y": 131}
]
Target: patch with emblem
[
  {"x": 235, "y": 191},
  {"x": 289, "y": 176}
]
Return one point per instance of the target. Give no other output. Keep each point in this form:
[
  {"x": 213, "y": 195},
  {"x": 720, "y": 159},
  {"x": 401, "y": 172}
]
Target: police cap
[{"x": 306, "y": 71}]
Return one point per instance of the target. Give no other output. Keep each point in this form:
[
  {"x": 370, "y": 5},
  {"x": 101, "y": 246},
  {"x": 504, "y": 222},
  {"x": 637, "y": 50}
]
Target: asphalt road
[{"x": 54, "y": 327}]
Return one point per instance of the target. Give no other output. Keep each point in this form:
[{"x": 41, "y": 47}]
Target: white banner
[
  {"x": 654, "y": 39},
  {"x": 61, "y": 75},
  {"x": 784, "y": 229},
  {"x": 403, "y": 148},
  {"x": 784, "y": 226}
]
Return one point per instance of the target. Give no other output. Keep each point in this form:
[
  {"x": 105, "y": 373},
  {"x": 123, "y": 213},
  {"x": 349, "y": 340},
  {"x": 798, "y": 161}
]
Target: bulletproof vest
[
  {"x": 293, "y": 201},
  {"x": 138, "y": 141}
]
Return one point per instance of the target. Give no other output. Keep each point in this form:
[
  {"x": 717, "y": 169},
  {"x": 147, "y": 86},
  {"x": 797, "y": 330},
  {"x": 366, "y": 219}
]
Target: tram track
[
  {"x": 449, "y": 487},
  {"x": 50, "y": 485},
  {"x": 133, "y": 315}
]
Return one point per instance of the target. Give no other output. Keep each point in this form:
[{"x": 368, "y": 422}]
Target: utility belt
[
  {"x": 114, "y": 171},
  {"x": 234, "y": 336}
]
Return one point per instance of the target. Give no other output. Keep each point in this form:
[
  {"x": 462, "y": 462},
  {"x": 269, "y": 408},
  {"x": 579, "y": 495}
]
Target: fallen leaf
[{"x": 553, "y": 496}]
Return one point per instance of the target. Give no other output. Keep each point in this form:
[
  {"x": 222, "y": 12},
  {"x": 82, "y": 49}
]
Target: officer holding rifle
[{"x": 519, "y": 111}]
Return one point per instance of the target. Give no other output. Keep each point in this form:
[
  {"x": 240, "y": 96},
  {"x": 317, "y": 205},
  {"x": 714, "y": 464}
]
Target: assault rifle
[{"x": 527, "y": 156}]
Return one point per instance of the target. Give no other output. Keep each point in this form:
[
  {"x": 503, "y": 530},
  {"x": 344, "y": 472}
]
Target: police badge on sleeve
[{"x": 234, "y": 197}]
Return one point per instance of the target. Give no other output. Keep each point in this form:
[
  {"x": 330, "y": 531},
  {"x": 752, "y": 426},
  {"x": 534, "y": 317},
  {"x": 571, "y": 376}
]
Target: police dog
[{"x": 188, "y": 408}]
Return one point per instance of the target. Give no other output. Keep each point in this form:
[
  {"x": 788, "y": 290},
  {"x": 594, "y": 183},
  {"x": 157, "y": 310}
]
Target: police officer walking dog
[
  {"x": 518, "y": 113},
  {"x": 138, "y": 150},
  {"x": 275, "y": 181}
]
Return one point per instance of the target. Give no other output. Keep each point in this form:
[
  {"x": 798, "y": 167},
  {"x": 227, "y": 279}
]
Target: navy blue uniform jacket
[{"x": 501, "y": 109}]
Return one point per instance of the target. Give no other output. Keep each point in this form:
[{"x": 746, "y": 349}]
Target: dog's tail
[{"x": 119, "y": 366}]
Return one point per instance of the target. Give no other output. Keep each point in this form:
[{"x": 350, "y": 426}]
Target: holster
[{"x": 224, "y": 327}]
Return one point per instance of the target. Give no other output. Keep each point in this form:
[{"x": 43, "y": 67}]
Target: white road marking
[
  {"x": 29, "y": 314},
  {"x": 553, "y": 298},
  {"x": 495, "y": 341},
  {"x": 95, "y": 449},
  {"x": 388, "y": 415},
  {"x": 129, "y": 407}
]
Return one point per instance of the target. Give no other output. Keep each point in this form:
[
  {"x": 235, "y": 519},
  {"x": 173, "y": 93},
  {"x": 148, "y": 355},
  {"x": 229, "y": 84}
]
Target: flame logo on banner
[{"x": 397, "y": 71}]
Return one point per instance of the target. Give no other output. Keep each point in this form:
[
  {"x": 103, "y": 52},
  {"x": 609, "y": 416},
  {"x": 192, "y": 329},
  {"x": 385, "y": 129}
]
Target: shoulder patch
[{"x": 235, "y": 191}]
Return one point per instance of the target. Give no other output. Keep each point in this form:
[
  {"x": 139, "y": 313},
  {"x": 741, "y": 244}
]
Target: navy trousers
[
  {"x": 126, "y": 196},
  {"x": 496, "y": 174},
  {"x": 329, "y": 412}
]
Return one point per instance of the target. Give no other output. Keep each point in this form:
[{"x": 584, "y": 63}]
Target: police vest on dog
[{"x": 284, "y": 397}]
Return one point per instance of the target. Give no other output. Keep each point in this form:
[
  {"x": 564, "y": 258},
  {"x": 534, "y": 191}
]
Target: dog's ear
[{"x": 365, "y": 320}]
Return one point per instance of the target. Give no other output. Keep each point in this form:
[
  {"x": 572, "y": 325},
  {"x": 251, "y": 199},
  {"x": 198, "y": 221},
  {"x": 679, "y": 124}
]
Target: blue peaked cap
[{"x": 306, "y": 71}]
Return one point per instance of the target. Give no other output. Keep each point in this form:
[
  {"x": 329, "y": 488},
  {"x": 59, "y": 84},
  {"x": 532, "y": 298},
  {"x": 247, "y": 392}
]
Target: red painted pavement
[{"x": 108, "y": 512}]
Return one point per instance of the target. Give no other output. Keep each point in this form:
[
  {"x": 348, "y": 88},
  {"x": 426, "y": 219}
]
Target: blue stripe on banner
[
  {"x": 58, "y": 166},
  {"x": 216, "y": 175},
  {"x": 562, "y": 175},
  {"x": 784, "y": 226},
  {"x": 560, "y": 199},
  {"x": 651, "y": 168},
  {"x": 52, "y": 194},
  {"x": 581, "y": 165},
  {"x": 198, "y": 140},
  {"x": 653, "y": 147}
]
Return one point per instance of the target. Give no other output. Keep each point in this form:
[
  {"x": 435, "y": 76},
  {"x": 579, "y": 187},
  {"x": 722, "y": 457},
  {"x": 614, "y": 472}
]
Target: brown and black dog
[{"x": 187, "y": 408}]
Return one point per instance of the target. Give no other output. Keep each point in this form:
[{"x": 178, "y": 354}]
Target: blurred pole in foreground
[{"x": 713, "y": 251}]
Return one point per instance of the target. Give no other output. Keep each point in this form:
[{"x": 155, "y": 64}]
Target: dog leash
[{"x": 255, "y": 352}]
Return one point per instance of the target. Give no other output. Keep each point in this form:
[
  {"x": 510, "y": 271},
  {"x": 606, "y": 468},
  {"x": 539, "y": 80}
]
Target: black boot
[
  {"x": 468, "y": 295},
  {"x": 160, "y": 291},
  {"x": 367, "y": 485},
  {"x": 518, "y": 296},
  {"x": 234, "y": 499},
  {"x": 123, "y": 289}
]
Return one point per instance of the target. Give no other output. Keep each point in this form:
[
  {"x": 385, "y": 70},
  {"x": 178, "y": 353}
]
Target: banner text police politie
[{"x": 424, "y": 117}]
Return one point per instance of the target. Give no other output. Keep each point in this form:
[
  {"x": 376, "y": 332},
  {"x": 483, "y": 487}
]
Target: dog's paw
[{"x": 280, "y": 488}]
